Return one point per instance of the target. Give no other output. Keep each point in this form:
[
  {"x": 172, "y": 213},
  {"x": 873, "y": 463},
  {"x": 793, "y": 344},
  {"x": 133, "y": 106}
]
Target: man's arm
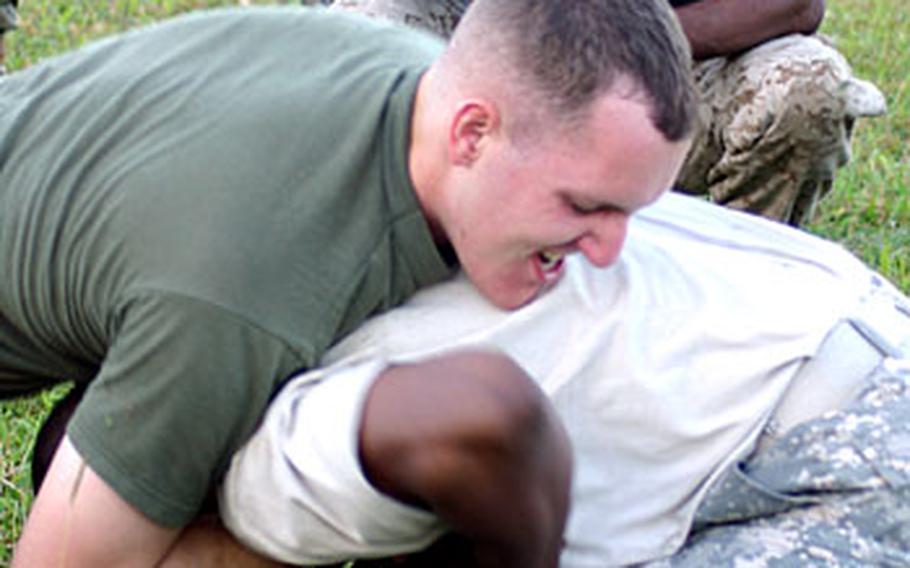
[
  {"x": 79, "y": 521},
  {"x": 470, "y": 437},
  {"x": 722, "y": 27}
]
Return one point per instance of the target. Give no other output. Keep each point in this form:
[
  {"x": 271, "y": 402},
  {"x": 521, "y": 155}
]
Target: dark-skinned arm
[
  {"x": 723, "y": 27},
  {"x": 471, "y": 438}
]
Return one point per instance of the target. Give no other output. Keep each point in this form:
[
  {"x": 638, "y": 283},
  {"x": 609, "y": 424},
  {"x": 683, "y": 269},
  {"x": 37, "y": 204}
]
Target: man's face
[{"x": 521, "y": 206}]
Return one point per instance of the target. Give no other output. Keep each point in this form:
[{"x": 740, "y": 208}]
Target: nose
[{"x": 603, "y": 242}]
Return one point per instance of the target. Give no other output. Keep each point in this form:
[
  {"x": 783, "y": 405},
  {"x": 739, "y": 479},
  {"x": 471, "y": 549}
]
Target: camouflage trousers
[
  {"x": 775, "y": 122},
  {"x": 437, "y": 16},
  {"x": 833, "y": 492},
  {"x": 774, "y": 126}
]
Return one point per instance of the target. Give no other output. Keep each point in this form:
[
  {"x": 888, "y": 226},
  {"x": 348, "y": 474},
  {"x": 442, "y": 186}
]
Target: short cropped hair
[{"x": 575, "y": 50}]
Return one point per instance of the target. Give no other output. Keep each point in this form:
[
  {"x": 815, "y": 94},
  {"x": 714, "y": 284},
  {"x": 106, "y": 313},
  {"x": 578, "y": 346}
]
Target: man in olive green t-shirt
[{"x": 180, "y": 234}]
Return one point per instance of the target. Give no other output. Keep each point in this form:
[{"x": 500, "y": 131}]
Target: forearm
[
  {"x": 78, "y": 520},
  {"x": 722, "y": 27}
]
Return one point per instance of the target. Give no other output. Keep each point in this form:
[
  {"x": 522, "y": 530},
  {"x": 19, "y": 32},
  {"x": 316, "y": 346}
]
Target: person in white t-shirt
[{"x": 731, "y": 388}]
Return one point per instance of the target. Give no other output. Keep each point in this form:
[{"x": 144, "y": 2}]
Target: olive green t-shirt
[{"x": 193, "y": 211}]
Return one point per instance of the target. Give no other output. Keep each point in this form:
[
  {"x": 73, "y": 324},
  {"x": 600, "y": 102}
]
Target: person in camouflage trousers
[
  {"x": 9, "y": 20},
  {"x": 775, "y": 126},
  {"x": 775, "y": 120},
  {"x": 834, "y": 492}
]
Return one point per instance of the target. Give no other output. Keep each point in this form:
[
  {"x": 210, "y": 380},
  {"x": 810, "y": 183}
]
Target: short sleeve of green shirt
[{"x": 202, "y": 370}]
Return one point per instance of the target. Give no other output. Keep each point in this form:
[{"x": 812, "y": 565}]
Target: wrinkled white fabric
[
  {"x": 296, "y": 491},
  {"x": 664, "y": 367}
]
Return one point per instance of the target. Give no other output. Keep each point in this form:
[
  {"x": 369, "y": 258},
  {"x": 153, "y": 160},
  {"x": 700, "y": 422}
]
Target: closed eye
[
  {"x": 579, "y": 204},
  {"x": 581, "y": 208},
  {"x": 578, "y": 208}
]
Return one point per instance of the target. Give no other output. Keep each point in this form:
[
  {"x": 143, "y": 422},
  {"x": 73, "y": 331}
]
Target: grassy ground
[{"x": 868, "y": 211}]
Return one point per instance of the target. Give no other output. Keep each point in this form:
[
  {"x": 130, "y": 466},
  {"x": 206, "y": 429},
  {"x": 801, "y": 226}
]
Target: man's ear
[{"x": 472, "y": 125}]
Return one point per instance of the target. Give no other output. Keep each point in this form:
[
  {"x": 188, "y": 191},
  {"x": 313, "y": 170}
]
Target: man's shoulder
[{"x": 317, "y": 28}]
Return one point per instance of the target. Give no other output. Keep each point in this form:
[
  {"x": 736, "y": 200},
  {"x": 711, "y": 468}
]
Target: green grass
[
  {"x": 18, "y": 427},
  {"x": 868, "y": 210}
]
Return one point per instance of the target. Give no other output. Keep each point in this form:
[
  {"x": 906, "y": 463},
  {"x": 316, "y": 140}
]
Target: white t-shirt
[{"x": 664, "y": 367}]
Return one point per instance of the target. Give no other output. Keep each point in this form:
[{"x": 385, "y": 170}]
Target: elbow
[{"x": 808, "y": 16}]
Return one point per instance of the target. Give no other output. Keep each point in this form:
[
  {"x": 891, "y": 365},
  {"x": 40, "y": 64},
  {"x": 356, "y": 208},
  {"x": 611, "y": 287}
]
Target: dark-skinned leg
[{"x": 470, "y": 437}]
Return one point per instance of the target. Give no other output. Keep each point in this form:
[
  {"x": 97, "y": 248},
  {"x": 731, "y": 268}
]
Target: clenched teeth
[{"x": 550, "y": 261}]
